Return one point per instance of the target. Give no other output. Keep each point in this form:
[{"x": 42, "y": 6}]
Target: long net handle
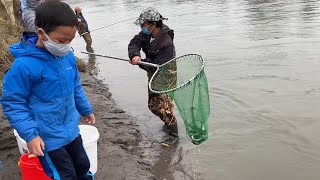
[{"x": 121, "y": 59}]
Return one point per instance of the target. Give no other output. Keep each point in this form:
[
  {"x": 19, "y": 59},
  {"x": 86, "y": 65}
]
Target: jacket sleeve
[
  {"x": 82, "y": 103},
  {"x": 135, "y": 45},
  {"x": 15, "y": 92}
]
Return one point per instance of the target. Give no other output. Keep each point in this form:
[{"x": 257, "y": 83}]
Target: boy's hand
[
  {"x": 135, "y": 60},
  {"x": 36, "y": 146},
  {"x": 90, "y": 119}
]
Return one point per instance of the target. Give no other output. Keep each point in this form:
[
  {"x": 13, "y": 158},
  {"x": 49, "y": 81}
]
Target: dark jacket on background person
[
  {"x": 84, "y": 24},
  {"x": 159, "y": 51}
]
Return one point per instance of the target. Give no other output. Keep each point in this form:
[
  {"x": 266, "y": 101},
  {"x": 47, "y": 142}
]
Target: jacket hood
[
  {"x": 27, "y": 47},
  {"x": 166, "y": 30}
]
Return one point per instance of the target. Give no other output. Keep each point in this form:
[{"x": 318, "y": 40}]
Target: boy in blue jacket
[{"x": 43, "y": 97}]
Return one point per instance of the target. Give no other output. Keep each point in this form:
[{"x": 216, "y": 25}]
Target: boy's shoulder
[
  {"x": 26, "y": 65},
  {"x": 71, "y": 58},
  {"x": 33, "y": 61},
  {"x": 27, "y": 61}
]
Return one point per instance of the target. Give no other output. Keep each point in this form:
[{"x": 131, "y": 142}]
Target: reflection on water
[
  {"x": 262, "y": 64},
  {"x": 92, "y": 68}
]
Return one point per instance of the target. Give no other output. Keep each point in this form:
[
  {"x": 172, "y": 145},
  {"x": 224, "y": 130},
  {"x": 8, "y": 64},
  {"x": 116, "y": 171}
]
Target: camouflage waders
[
  {"x": 161, "y": 105},
  {"x": 87, "y": 37}
]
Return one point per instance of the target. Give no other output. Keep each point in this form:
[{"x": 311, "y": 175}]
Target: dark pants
[{"x": 68, "y": 163}]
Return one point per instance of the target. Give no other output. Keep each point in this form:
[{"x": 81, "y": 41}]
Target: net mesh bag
[{"x": 183, "y": 78}]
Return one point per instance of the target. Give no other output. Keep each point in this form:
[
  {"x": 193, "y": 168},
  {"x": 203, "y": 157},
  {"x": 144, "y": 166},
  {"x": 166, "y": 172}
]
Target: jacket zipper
[{"x": 65, "y": 93}]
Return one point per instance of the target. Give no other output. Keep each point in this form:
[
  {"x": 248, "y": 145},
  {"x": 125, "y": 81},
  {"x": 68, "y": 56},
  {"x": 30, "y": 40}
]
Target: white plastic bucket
[
  {"x": 22, "y": 145},
  {"x": 90, "y": 136}
]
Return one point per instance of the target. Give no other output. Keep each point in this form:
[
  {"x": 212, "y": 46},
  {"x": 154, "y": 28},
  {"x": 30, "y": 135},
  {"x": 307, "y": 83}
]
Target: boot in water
[
  {"x": 173, "y": 136},
  {"x": 89, "y": 49},
  {"x": 165, "y": 128},
  {"x": 171, "y": 140}
]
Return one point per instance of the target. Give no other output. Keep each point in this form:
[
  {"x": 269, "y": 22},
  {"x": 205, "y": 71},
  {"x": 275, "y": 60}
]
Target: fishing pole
[
  {"x": 106, "y": 26},
  {"x": 100, "y": 55},
  {"x": 121, "y": 59},
  {"x": 136, "y": 18}
]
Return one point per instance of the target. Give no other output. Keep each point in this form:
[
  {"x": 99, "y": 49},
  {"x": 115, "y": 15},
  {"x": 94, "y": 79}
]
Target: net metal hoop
[{"x": 184, "y": 84}]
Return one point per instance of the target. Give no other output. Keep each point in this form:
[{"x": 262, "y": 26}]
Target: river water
[{"x": 263, "y": 68}]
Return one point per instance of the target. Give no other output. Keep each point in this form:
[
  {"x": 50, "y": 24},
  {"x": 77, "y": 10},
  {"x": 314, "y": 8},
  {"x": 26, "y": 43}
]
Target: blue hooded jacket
[{"x": 42, "y": 95}]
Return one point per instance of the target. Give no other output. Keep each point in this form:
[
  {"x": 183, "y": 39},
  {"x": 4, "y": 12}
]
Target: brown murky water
[{"x": 263, "y": 68}]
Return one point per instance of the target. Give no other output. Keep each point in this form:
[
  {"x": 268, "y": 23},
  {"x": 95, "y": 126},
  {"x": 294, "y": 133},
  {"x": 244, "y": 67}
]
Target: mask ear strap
[{"x": 46, "y": 35}]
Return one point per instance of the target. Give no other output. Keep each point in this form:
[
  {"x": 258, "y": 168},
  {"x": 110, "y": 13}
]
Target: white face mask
[{"x": 55, "y": 48}]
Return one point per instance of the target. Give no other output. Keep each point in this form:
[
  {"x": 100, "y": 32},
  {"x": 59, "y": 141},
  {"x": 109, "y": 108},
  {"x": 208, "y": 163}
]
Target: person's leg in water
[
  {"x": 88, "y": 39},
  {"x": 86, "y": 36},
  {"x": 161, "y": 105}
]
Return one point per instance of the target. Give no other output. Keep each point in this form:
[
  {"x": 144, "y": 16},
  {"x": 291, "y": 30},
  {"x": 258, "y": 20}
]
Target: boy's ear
[{"x": 40, "y": 34}]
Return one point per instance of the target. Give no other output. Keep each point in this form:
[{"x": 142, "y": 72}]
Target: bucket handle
[
  {"x": 32, "y": 156},
  {"x": 33, "y": 165}
]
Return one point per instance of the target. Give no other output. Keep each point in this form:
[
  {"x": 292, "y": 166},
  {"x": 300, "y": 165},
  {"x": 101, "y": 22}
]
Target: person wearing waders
[
  {"x": 28, "y": 15},
  {"x": 156, "y": 41},
  {"x": 28, "y": 9},
  {"x": 83, "y": 29}
]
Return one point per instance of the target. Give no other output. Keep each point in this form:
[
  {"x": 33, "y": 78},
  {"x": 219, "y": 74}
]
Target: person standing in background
[
  {"x": 28, "y": 9},
  {"x": 83, "y": 29}
]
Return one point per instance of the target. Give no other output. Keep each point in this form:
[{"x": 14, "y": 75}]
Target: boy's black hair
[{"x": 54, "y": 13}]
